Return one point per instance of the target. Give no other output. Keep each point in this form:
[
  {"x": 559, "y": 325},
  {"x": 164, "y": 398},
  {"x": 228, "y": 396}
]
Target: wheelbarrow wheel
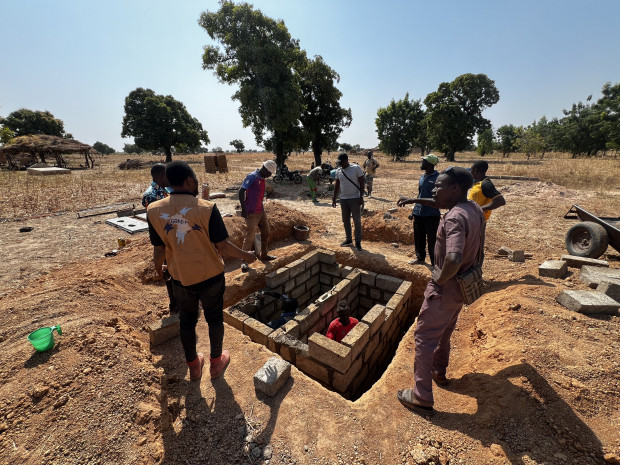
[{"x": 587, "y": 239}]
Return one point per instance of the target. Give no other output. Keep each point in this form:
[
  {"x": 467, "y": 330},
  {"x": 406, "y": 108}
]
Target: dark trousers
[
  {"x": 211, "y": 294},
  {"x": 352, "y": 208},
  {"x": 425, "y": 230},
  {"x": 172, "y": 306}
]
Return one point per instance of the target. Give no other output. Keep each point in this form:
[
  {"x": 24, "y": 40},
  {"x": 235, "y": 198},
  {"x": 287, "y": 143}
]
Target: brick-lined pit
[{"x": 381, "y": 303}]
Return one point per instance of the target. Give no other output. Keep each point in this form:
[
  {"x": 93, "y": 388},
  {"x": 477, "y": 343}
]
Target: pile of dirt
[
  {"x": 396, "y": 228},
  {"x": 131, "y": 165}
]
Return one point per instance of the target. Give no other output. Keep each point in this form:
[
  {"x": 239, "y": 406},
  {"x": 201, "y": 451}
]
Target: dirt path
[{"x": 532, "y": 382}]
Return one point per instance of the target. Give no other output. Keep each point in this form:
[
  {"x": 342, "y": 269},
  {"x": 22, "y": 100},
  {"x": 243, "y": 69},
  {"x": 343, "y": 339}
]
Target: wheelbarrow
[{"x": 592, "y": 235}]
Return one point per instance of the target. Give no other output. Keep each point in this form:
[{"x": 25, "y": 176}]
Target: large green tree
[
  {"x": 485, "y": 142},
  {"x": 582, "y": 130},
  {"x": 238, "y": 145},
  {"x": 507, "y": 136},
  {"x": 23, "y": 122},
  {"x": 323, "y": 117},
  {"x": 160, "y": 122},
  {"x": 455, "y": 111},
  {"x": 102, "y": 148},
  {"x": 259, "y": 55},
  {"x": 609, "y": 106},
  {"x": 399, "y": 127}
]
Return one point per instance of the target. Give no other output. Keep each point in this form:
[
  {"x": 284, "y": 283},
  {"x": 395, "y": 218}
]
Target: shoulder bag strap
[{"x": 349, "y": 179}]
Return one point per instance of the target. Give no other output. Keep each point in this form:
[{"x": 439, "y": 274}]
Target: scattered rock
[
  {"x": 256, "y": 452},
  {"x": 387, "y": 216},
  {"x": 87, "y": 370},
  {"x": 514, "y": 307},
  {"x": 62, "y": 401},
  {"x": 267, "y": 452},
  {"x": 497, "y": 450},
  {"x": 517, "y": 256},
  {"x": 503, "y": 250},
  {"x": 395, "y": 245},
  {"x": 612, "y": 458}
]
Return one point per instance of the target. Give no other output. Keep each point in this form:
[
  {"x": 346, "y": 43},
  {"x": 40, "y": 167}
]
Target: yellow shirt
[{"x": 477, "y": 195}]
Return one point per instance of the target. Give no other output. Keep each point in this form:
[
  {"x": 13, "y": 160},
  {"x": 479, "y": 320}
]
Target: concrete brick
[
  {"x": 366, "y": 302},
  {"x": 331, "y": 353},
  {"x": 307, "y": 318},
  {"x": 327, "y": 302},
  {"x": 370, "y": 348},
  {"x": 355, "y": 277},
  {"x": 289, "y": 286},
  {"x": 319, "y": 327},
  {"x": 369, "y": 278},
  {"x": 302, "y": 278},
  {"x": 291, "y": 328},
  {"x": 291, "y": 348},
  {"x": 277, "y": 278},
  {"x": 396, "y": 304},
  {"x": 345, "y": 271},
  {"x": 272, "y": 376},
  {"x": 327, "y": 256},
  {"x": 326, "y": 279},
  {"x": 315, "y": 269},
  {"x": 374, "y": 318},
  {"x": 375, "y": 294},
  {"x": 235, "y": 318},
  {"x": 357, "y": 339},
  {"x": 311, "y": 258},
  {"x": 313, "y": 368},
  {"x": 342, "y": 289},
  {"x": 577, "y": 262},
  {"x": 272, "y": 344},
  {"x": 298, "y": 291},
  {"x": 257, "y": 331},
  {"x": 296, "y": 267},
  {"x": 553, "y": 269},
  {"x": 313, "y": 281},
  {"x": 588, "y": 302},
  {"x": 593, "y": 275},
  {"x": 351, "y": 297},
  {"x": 164, "y": 330},
  {"x": 517, "y": 256},
  {"x": 388, "y": 283},
  {"x": 611, "y": 288},
  {"x": 360, "y": 380},
  {"x": 304, "y": 299},
  {"x": 326, "y": 288},
  {"x": 363, "y": 290},
  {"x": 332, "y": 270},
  {"x": 390, "y": 319},
  {"x": 405, "y": 289},
  {"x": 342, "y": 381}
]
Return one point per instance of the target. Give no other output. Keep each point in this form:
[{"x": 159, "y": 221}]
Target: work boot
[
  {"x": 219, "y": 364},
  {"x": 346, "y": 242},
  {"x": 195, "y": 367}
]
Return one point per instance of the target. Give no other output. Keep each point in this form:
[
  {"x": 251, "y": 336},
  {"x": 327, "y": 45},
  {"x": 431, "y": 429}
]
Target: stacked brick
[
  {"x": 379, "y": 302},
  {"x": 210, "y": 163},
  {"x": 221, "y": 163}
]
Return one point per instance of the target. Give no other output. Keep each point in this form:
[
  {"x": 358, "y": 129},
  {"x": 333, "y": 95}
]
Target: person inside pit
[
  {"x": 341, "y": 326},
  {"x": 290, "y": 307}
]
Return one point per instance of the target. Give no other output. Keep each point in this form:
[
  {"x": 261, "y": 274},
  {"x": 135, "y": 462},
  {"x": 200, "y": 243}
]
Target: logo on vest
[{"x": 179, "y": 224}]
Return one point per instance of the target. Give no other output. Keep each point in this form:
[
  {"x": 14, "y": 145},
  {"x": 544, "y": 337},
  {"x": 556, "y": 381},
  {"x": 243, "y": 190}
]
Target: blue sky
[{"x": 80, "y": 59}]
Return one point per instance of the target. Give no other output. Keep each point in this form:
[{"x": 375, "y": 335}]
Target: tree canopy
[
  {"x": 259, "y": 55},
  {"x": 454, "y": 111},
  {"x": 399, "y": 126},
  {"x": 507, "y": 139},
  {"x": 323, "y": 117},
  {"x": 238, "y": 145},
  {"x": 24, "y": 122},
  {"x": 160, "y": 122},
  {"x": 103, "y": 148}
]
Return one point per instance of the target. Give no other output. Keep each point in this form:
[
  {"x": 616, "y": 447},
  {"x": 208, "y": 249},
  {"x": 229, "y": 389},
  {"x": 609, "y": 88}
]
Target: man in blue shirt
[
  {"x": 159, "y": 188},
  {"x": 425, "y": 218}
]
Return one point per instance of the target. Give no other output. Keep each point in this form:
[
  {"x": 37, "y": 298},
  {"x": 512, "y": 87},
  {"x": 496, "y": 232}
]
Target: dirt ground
[{"x": 531, "y": 382}]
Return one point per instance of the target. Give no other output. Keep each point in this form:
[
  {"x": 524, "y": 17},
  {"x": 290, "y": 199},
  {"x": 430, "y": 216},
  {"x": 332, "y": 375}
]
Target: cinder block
[
  {"x": 164, "y": 330},
  {"x": 272, "y": 345},
  {"x": 315, "y": 269},
  {"x": 257, "y": 331},
  {"x": 405, "y": 289},
  {"x": 298, "y": 291},
  {"x": 325, "y": 288},
  {"x": 370, "y": 348},
  {"x": 357, "y": 339},
  {"x": 319, "y": 327},
  {"x": 553, "y": 269},
  {"x": 235, "y": 318},
  {"x": 369, "y": 278},
  {"x": 277, "y": 278},
  {"x": 331, "y": 269},
  {"x": 313, "y": 368},
  {"x": 390, "y": 318},
  {"x": 345, "y": 271},
  {"x": 363, "y": 290},
  {"x": 312, "y": 281},
  {"x": 342, "y": 289},
  {"x": 396, "y": 303},
  {"x": 359, "y": 380},
  {"x": 272, "y": 376},
  {"x": 290, "y": 348},
  {"x": 588, "y": 302},
  {"x": 291, "y": 328},
  {"x": 517, "y": 256},
  {"x": 593, "y": 275},
  {"x": 302, "y": 278},
  {"x": 374, "y": 318},
  {"x": 304, "y": 298},
  {"x": 331, "y": 353},
  {"x": 577, "y": 262},
  {"x": 327, "y": 256},
  {"x": 365, "y": 302},
  {"x": 351, "y": 298},
  {"x": 326, "y": 302},
  {"x": 342, "y": 381},
  {"x": 311, "y": 258},
  {"x": 611, "y": 288},
  {"x": 375, "y": 294},
  {"x": 296, "y": 267},
  {"x": 388, "y": 283},
  {"x": 355, "y": 277},
  {"x": 307, "y": 318},
  {"x": 326, "y": 279}
]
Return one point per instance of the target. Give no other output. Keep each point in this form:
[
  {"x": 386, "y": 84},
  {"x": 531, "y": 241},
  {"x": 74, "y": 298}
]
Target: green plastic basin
[{"x": 43, "y": 338}]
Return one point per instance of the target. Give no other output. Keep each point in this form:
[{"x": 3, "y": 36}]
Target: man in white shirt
[{"x": 350, "y": 184}]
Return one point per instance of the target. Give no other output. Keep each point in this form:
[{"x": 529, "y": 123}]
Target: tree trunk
[
  {"x": 280, "y": 157},
  {"x": 168, "y": 154},
  {"x": 316, "y": 149},
  {"x": 450, "y": 155}
]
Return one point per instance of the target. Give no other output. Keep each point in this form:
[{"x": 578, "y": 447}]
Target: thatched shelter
[{"x": 39, "y": 146}]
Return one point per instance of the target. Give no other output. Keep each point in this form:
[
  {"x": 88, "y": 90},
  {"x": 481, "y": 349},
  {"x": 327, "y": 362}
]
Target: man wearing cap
[
  {"x": 350, "y": 184},
  {"x": 251, "y": 197},
  {"x": 314, "y": 179},
  {"x": 425, "y": 217},
  {"x": 484, "y": 194},
  {"x": 370, "y": 168}
]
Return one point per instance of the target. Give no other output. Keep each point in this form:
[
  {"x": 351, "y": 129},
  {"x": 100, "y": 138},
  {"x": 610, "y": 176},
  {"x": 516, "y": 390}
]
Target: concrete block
[
  {"x": 375, "y": 294},
  {"x": 369, "y": 278},
  {"x": 312, "y": 281},
  {"x": 257, "y": 331},
  {"x": 345, "y": 271},
  {"x": 355, "y": 277},
  {"x": 272, "y": 344},
  {"x": 291, "y": 347},
  {"x": 325, "y": 288},
  {"x": 331, "y": 269},
  {"x": 396, "y": 303},
  {"x": 553, "y": 269},
  {"x": 277, "y": 278},
  {"x": 326, "y": 279},
  {"x": 610, "y": 288},
  {"x": 327, "y": 256},
  {"x": 366, "y": 302},
  {"x": 342, "y": 381},
  {"x": 319, "y": 327},
  {"x": 388, "y": 283},
  {"x": 359, "y": 380},
  {"x": 517, "y": 256},
  {"x": 302, "y": 278},
  {"x": 296, "y": 267},
  {"x": 390, "y": 318},
  {"x": 313, "y": 368},
  {"x": 342, "y": 289},
  {"x": 291, "y": 328},
  {"x": 594, "y": 275},
  {"x": 357, "y": 339},
  {"x": 164, "y": 330},
  {"x": 363, "y": 290},
  {"x": 307, "y": 318},
  {"x": 235, "y": 318},
  {"x": 577, "y": 262},
  {"x": 272, "y": 376},
  {"x": 315, "y": 269},
  {"x": 327, "y": 302},
  {"x": 588, "y": 302},
  {"x": 503, "y": 250},
  {"x": 374, "y": 318},
  {"x": 351, "y": 297},
  {"x": 304, "y": 298},
  {"x": 311, "y": 258},
  {"x": 405, "y": 289},
  {"x": 329, "y": 352},
  {"x": 370, "y": 348}
]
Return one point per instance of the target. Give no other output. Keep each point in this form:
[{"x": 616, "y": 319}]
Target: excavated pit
[{"x": 381, "y": 303}]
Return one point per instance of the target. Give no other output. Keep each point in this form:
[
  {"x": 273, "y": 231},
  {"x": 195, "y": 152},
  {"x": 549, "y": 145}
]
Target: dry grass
[{"x": 25, "y": 195}]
